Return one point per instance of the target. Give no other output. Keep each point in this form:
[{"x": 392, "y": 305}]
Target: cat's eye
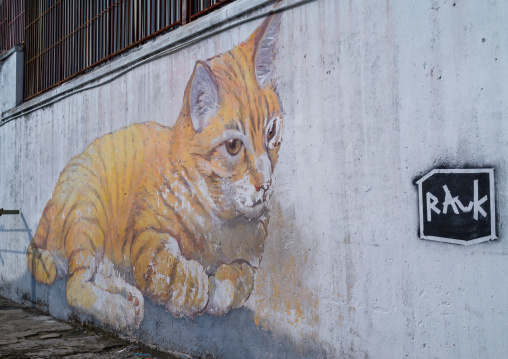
[
  {"x": 271, "y": 132},
  {"x": 234, "y": 146}
]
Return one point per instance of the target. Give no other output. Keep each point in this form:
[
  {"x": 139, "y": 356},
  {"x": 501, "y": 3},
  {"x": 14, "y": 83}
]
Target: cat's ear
[
  {"x": 204, "y": 96},
  {"x": 265, "y": 37}
]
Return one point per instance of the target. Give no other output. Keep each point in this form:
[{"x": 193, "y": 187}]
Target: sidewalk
[{"x": 27, "y": 333}]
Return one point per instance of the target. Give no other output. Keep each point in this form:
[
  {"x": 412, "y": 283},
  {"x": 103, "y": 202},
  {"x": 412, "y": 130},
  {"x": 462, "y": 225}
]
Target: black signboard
[{"x": 457, "y": 205}]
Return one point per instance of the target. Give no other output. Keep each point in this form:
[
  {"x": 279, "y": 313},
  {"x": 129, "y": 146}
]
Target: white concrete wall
[
  {"x": 11, "y": 78},
  {"x": 376, "y": 94}
]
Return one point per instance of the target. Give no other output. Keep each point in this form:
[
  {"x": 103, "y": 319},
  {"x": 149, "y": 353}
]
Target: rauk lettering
[{"x": 457, "y": 205}]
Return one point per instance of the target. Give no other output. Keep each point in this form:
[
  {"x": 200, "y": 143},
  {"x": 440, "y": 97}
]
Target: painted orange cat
[{"x": 179, "y": 214}]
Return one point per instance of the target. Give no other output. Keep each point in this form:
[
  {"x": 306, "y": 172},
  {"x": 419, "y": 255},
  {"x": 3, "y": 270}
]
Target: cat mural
[{"x": 178, "y": 215}]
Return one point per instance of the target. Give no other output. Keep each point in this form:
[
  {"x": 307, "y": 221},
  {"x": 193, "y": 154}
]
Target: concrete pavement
[{"x": 28, "y": 333}]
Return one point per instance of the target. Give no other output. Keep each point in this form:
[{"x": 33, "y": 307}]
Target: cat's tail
[
  {"x": 40, "y": 261},
  {"x": 41, "y": 264}
]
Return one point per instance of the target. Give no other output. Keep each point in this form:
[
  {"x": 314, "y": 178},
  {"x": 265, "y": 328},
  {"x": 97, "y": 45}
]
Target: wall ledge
[
  {"x": 11, "y": 78},
  {"x": 9, "y": 52}
]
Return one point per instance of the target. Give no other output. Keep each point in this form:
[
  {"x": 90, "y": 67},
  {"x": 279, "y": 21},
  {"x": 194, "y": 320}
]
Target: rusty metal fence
[
  {"x": 64, "y": 38},
  {"x": 201, "y": 7},
  {"x": 12, "y": 24}
]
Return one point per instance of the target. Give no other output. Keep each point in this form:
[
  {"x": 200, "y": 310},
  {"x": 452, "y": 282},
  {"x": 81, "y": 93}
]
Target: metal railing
[
  {"x": 202, "y": 7},
  {"x": 12, "y": 24},
  {"x": 64, "y": 38}
]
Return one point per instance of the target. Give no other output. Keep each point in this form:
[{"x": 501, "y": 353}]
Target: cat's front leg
[
  {"x": 166, "y": 276},
  {"x": 230, "y": 287},
  {"x": 189, "y": 289},
  {"x": 93, "y": 286}
]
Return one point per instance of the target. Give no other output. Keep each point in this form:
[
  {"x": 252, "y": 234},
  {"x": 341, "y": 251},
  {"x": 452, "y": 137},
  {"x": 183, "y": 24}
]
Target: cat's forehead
[
  {"x": 248, "y": 100},
  {"x": 250, "y": 118}
]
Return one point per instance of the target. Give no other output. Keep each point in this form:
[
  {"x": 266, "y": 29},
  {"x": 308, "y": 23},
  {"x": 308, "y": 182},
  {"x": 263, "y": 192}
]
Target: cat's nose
[{"x": 264, "y": 186}]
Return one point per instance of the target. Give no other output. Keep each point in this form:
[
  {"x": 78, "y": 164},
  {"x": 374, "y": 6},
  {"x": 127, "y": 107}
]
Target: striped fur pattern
[{"x": 177, "y": 215}]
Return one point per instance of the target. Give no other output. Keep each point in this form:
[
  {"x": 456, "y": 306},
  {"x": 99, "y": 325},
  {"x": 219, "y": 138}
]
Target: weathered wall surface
[
  {"x": 11, "y": 77},
  {"x": 374, "y": 96}
]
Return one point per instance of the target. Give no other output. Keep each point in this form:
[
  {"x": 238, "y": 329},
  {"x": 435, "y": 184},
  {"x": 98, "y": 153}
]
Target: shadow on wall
[
  {"x": 31, "y": 295},
  {"x": 234, "y": 335}
]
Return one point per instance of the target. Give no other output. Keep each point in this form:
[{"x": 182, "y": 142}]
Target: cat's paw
[
  {"x": 229, "y": 287},
  {"x": 136, "y": 299},
  {"x": 222, "y": 294},
  {"x": 190, "y": 289},
  {"x": 122, "y": 311},
  {"x": 127, "y": 303}
]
